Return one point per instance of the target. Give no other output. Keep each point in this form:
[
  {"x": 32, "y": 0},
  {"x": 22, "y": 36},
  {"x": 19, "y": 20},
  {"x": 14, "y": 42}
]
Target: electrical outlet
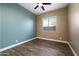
[
  {"x": 16, "y": 40},
  {"x": 60, "y": 38}
]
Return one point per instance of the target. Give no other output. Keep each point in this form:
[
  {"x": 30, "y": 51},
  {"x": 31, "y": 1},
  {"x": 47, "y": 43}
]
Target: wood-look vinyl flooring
[{"x": 39, "y": 47}]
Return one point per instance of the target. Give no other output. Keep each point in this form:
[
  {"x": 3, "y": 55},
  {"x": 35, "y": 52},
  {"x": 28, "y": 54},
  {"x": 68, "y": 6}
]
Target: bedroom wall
[
  {"x": 0, "y": 28},
  {"x": 61, "y": 26},
  {"x": 74, "y": 26},
  {"x": 17, "y": 23}
]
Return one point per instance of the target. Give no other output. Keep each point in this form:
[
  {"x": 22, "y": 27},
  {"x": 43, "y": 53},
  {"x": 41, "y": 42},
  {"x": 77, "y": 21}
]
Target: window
[{"x": 49, "y": 23}]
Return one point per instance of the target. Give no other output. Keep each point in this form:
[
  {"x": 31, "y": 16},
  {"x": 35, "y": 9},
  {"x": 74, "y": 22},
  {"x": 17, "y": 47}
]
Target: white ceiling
[{"x": 54, "y": 6}]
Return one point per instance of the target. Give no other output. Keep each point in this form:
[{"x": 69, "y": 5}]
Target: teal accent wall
[
  {"x": 16, "y": 23},
  {"x": 0, "y": 28}
]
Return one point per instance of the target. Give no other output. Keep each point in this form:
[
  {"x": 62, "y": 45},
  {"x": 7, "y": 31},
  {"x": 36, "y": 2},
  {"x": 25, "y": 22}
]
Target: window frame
[{"x": 48, "y": 23}]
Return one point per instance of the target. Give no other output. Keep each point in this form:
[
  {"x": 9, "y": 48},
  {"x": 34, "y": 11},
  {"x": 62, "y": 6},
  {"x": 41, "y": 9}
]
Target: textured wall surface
[
  {"x": 61, "y": 25},
  {"x": 16, "y": 23},
  {"x": 74, "y": 26}
]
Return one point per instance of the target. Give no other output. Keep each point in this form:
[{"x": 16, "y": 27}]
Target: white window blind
[{"x": 49, "y": 23}]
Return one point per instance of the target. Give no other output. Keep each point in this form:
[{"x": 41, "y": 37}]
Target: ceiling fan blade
[
  {"x": 46, "y": 3},
  {"x": 36, "y": 7},
  {"x": 42, "y": 8}
]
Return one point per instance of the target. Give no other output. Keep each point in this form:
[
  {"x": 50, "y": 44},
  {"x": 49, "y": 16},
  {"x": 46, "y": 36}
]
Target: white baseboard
[
  {"x": 61, "y": 42},
  {"x": 14, "y": 45},
  {"x": 52, "y": 40},
  {"x": 72, "y": 49}
]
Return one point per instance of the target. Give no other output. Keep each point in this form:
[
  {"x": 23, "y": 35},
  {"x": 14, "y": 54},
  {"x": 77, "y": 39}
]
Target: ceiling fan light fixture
[{"x": 40, "y": 4}]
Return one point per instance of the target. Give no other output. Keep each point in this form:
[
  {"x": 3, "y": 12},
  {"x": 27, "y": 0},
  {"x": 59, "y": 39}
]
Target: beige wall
[
  {"x": 74, "y": 26},
  {"x": 61, "y": 27}
]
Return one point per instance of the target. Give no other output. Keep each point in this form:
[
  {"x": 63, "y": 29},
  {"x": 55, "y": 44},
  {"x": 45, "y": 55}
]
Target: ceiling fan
[{"x": 42, "y": 5}]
